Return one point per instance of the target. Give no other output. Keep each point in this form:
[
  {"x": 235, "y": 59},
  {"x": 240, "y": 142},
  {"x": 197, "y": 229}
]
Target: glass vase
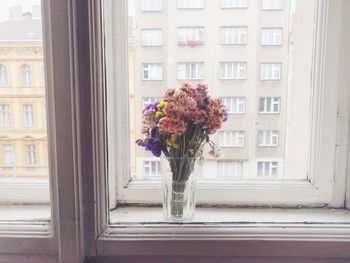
[{"x": 179, "y": 179}]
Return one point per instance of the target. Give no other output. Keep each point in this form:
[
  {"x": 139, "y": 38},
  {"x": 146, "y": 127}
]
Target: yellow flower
[
  {"x": 160, "y": 105},
  {"x": 159, "y": 114},
  {"x": 172, "y": 144}
]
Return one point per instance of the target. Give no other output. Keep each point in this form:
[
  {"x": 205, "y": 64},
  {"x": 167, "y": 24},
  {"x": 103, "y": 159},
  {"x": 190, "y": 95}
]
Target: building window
[
  {"x": 267, "y": 138},
  {"x": 28, "y": 115},
  {"x": 152, "y": 37},
  {"x": 270, "y": 71},
  {"x": 190, "y": 4},
  {"x": 234, "y": 105},
  {"x": 149, "y": 100},
  {"x": 235, "y": 35},
  {"x": 271, "y": 36},
  {"x": 152, "y": 71},
  {"x": 5, "y": 115},
  {"x": 272, "y": 4},
  {"x": 231, "y": 138},
  {"x": 190, "y": 71},
  {"x": 190, "y": 36},
  {"x": 151, "y": 5},
  {"x": 269, "y": 105},
  {"x": 230, "y": 169},
  {"x": 30, "y": 151},
  {"x": 267, "y": 169},
  {"x": 26, "y": 75},
  {"x": 151, "y": 168},
  {"x": 234, "y": 3},
  {"x": 233, "y": 70},
  {"x": 3, "y": 75},
  {"x": 7, "y": 154}
]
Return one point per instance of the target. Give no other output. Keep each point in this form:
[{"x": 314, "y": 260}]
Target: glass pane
[
  {"x": 23, "y": 128},
  {"x": 255, "y": 80}
]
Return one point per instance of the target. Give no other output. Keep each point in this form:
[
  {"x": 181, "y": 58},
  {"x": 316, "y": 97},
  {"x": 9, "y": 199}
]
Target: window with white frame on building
[
  {"x": 26, "y": 75},
  {"x": 267, "y": 138},
  {"x": 271, "y": 36},
  {"x": 269, "y": 105},
  {"x": 31, "y": 155},
  {"x": 267, "y": 109},
  {"x": 233, "y": 70},
  {"x": 272, "y": 4},
  {"x": 149, "y": 100},
  {"x": 234, "y": 3},
  {"x": 28, "y": 115},
  {"x": 190, "y": 71},
  {"x": 151, "y": 5},
  {"x": 151, "y": 168},
  {"x": 267, "y": 169},
  {"x": 190, "y": 36},
  {"x": 152, "y": 37},
  {"x": 231, "y": 138},
  {"x": 270, "y": 71},
  {"x": 7, "y": 154},
  {"x": 233, "y": 35},
  {"x": 234, "y": 105},
  {"x": 3, "y": 75},
  {"x": 152, "y": 71},
  {"x": 5, "y": 115},
  {"x": 190, "y": 4},
  {"x": 230, "y": 169}
]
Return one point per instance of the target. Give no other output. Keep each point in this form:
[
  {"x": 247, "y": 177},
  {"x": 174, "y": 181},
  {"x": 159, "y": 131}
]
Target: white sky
[{"x": 6, "y": 4}]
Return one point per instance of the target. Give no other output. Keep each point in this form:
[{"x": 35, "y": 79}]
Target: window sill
[{"x": 229, "y": 232}]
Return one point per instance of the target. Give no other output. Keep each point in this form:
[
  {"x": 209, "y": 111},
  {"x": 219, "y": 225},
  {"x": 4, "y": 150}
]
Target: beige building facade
[
  {"x": 23, "y": 134},
  {"x": 244, "y": 51}
]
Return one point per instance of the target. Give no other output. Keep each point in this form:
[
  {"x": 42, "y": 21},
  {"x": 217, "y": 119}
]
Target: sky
[{"x": 6, "y": 4}]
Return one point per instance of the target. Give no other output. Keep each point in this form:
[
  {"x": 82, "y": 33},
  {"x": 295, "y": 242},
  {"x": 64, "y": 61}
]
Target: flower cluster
[{"x": 181, "y": 123}]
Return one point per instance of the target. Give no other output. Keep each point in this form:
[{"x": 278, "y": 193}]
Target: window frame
[
  {"x": 149, "y": 71},
  {"x": 271, "y": 45},
  {"x": 199, "y": 68},
  {"x": 233, "y": 64},
  {"x": 152, "y": 29},
  {"x": 239, "y": 35},
  {"x": 262, "y": 64},
  {"x": 189, "y": 8},
  {"x": 231, "y": 7},
  {"x": 89, "y": 235},
  {"x": 152, "y": 10},
  {"x": 301, "y": 191},
  {"x": 3, "y": 75},
  {"x": 271, "y": 9}
]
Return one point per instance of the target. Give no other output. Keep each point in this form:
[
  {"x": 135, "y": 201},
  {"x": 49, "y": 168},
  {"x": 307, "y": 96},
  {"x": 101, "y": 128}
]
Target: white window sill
[
  {"x": 144, "y": 215},
  {"x": 25, "y": 213}
]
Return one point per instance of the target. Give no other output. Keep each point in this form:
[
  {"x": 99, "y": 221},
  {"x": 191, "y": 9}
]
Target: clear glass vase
[{"x": 179, "y": 177}]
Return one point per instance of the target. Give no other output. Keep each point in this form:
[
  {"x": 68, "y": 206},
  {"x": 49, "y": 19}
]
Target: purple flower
[
  {"x": 155, "y": 146},
  {"x": 225, "y": 116},
  {"x": 151, "y": 106}
]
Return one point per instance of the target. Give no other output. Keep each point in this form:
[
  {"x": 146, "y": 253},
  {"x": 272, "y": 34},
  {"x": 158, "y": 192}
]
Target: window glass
[
  {"x": 151, "y": 37},
  {"x": 267, "y": 96},
  {"x": 23, "y": 134}
]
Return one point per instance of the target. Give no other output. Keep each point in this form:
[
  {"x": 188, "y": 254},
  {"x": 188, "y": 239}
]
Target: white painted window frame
[
  {"x": 229, "y": 169},
  {"x": 190, "y": 4},
  {"x": 271, "y": 33},
  {"x": 271, "y": 166},
  {"x": 27, "y": 76},
  {"x": 234, "y": 104},
  {"x": 151, "y": 5},
  {"x": 77, "y": 234},
  {"x": 28, "y": 115},
  {"x": 233, "y": 35},
  {"x": 195, "y": 70},
  {"x": 146, "y": 37},
  {"x": 193, "y": 35},
  {"x": 234, "y": 4},
  {"x": 276, "y": 71},
  {"x": 155, "y": 71},
  {"x": 265, "y": 138},
  {"x": 148, "y": 100},
  {"x": 233, "y": 70},
  {"x": 269, "y": 100},
  {"x": 5, "y": 115},
  {"x": 232, "y": 138},
  {"x": 3, "y": 75},
  {"x": 312, "y": 191},
  {"x": 272, "y": 5}
]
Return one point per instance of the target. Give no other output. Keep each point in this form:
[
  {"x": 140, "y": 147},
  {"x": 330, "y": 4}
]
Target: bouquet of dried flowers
[{"x": 179, "y": 126}]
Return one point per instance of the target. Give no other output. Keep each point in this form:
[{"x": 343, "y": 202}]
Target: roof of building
[{"x": 25, "y": 29}]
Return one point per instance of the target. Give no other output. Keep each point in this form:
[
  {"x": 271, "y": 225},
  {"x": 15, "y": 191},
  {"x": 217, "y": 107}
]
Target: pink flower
[{"x": 169, "y": 125}]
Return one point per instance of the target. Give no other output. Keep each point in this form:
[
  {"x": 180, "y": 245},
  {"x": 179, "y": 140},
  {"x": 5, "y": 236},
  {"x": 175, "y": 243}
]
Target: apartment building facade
[
  {"x": 242, "y": 50},
  {"x": 23, "y": 134}
]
